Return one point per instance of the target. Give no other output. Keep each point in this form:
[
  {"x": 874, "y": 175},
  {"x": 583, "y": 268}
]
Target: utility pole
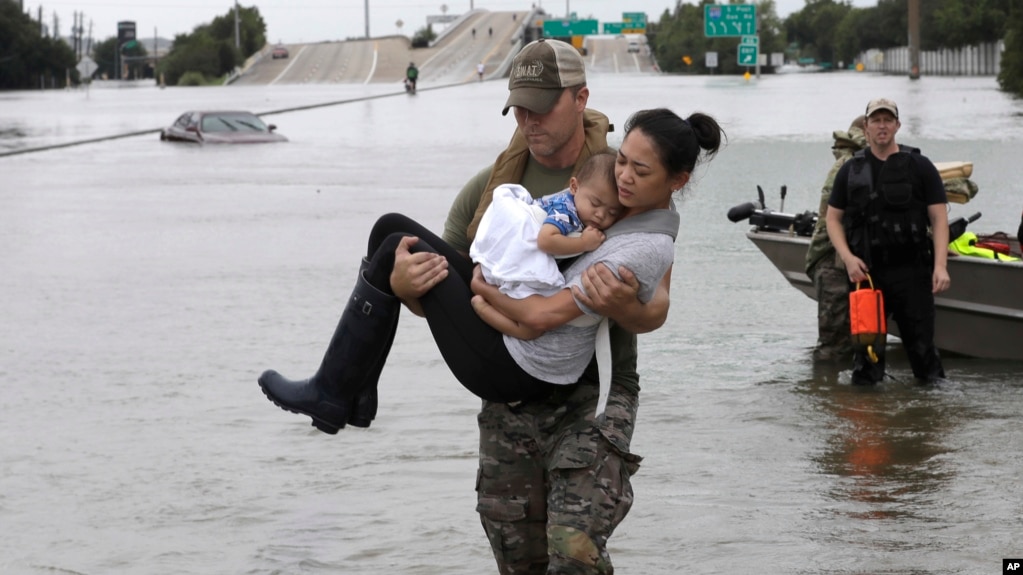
[
  {"x": 79, "y": 33},
  {"x": 237, "y": 34},
  {"x": 914, "y": 39},
  {"x": 367, "y": 19}
]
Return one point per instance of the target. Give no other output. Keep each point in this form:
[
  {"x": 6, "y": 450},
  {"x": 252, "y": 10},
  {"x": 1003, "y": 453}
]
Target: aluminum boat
[{"x": 980, "y": 315}]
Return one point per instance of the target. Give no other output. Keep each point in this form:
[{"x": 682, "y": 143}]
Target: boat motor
[
  {"x": 769, "y": 220},
  {"x": 743, "y": 211},
  {"x": 957, "y": 227}
]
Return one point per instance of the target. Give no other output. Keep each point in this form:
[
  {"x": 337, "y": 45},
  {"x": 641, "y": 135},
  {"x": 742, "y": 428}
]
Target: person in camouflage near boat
[{"x": 824, "y": 267}]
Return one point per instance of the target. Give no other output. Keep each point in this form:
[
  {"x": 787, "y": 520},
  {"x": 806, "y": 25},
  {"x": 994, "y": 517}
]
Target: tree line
[
  {"x": 828, "y": 32},
  {"x": 30, "y": 59},
  {"x": 210, "y": 51},
  {"x": 832, "y": 33},
  {"x": 204, "y": 56},
  {"x": 27, "y": 58}
]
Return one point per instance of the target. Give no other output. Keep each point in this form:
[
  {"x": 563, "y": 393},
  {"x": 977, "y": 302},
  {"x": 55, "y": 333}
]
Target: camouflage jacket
[{"x": 846, "y": 144}]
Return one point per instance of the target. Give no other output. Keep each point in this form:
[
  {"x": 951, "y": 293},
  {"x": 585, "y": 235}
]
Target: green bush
[
  {"x": 193, "y": 79},
  {"x": 210, "y": 51},
  {"x": 1010, "y": 77},
  {"x": 423, "y": 37}
]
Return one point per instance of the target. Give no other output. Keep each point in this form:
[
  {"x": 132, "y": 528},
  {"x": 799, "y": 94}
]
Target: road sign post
[{"x": 749, "y": 51}]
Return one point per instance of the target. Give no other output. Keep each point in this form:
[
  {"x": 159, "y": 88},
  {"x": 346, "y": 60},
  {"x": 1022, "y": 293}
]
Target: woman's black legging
[{"x": 474, "y": 351}]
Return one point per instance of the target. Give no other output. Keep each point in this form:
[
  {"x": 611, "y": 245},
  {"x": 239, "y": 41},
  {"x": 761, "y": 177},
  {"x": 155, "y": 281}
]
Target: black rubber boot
[
  {"x": 365, "y": 409},
  {"x": 865, "y": 371},
  {"x": 356, "y": 352}
]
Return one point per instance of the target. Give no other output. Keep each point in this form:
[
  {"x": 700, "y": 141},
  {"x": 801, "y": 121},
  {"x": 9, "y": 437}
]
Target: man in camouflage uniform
[
  {"x": 823, "y": 265},
  {"x": 553, "y": 480}
]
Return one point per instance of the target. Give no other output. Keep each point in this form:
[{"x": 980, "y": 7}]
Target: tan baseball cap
[
  {"x": 882, "y": 104},
  {"x": 540, "y": 72}
]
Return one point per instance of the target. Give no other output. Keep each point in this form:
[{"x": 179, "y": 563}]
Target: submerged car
[
  {"x": 279, "y": 52},
  {"x": 220, "y": 127}
]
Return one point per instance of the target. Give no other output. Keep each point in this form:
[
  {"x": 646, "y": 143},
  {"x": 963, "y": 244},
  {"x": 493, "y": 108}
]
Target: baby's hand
[{"x": 592, "y": 238}]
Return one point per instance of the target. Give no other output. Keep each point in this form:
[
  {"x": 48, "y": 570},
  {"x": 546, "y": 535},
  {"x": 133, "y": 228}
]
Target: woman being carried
[{"x": 657, "y": 157}]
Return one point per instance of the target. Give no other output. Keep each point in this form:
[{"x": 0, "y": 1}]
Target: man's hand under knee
[{"x": 414, "y": 274}]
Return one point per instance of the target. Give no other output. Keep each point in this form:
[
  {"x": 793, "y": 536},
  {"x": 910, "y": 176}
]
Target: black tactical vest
[{"x": 891, "y": 218}]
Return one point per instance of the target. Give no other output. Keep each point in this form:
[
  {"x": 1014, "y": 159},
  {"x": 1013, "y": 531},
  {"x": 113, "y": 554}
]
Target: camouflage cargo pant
[
  {"x": 553, "y": 484},
  {"x": 831, "y": 284}
]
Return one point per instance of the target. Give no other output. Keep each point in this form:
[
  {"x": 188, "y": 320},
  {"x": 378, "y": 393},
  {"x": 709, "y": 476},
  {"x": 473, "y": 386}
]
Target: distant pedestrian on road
[
  {"x": 480, "y": 68},
  {"x": 473, "y": 33},
  {"x": 411, "y": 76},
  {"x": 490, "y": 32}
]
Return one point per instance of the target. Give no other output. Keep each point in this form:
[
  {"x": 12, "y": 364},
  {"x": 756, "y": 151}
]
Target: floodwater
[{"x": 147, "y": 284}]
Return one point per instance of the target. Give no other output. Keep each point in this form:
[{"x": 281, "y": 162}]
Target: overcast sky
[{"x": 294, "y": 21}]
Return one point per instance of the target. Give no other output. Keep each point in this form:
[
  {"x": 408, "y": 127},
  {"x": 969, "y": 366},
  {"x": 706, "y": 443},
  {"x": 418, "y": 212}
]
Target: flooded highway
[{"x": 148, "y": 284}]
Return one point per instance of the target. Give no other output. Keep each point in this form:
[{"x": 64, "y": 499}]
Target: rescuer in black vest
[{"x": 882, "y": 204}]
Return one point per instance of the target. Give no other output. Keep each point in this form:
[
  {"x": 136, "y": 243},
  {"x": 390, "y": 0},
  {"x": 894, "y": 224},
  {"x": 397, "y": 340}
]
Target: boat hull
[{"x": 981, "y": 315}]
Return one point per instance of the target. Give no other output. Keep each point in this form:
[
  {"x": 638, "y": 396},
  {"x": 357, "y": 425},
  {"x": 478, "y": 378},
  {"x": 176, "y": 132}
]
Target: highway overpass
[{"x": 478, "y": 36}]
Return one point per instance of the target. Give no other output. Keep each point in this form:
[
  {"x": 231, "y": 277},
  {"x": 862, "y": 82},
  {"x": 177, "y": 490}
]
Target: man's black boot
[
  {"x": 865, "y": 371},
  {"x": 357, "y": 351}
]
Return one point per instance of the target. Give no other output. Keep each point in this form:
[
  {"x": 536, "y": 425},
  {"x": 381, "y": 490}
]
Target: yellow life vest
[{"x": 966, "y": 245}]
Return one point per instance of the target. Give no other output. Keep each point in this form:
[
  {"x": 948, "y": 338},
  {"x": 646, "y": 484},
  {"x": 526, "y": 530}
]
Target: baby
[{"x": 519, "y": 238}]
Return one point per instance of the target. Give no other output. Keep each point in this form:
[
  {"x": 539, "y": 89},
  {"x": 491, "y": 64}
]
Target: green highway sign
[
  {"x": 558, "y": 28},
  {"x": 625, "y": 27},
  {"x": 747, "y": 55},
  {"x": 634, "y": 17},
  {"x": 729, "y": 20}
]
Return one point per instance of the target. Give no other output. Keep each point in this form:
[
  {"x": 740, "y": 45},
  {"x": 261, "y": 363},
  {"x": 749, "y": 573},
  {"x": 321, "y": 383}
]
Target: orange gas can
[{"x": 867, "y": 318}]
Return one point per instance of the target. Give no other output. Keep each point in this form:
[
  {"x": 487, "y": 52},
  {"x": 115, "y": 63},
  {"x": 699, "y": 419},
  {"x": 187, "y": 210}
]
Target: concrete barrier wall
[{"x": 981, "y": 60}]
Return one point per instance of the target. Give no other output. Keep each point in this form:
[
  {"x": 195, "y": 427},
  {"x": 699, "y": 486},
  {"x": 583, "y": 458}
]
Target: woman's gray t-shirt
[{"x": 561, "y": 355}]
